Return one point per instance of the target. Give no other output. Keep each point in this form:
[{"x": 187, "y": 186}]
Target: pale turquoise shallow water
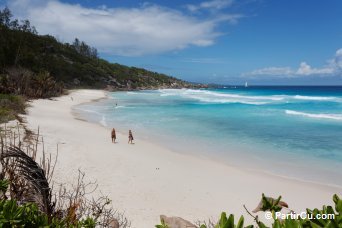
[{"x": 289, "y": 131}]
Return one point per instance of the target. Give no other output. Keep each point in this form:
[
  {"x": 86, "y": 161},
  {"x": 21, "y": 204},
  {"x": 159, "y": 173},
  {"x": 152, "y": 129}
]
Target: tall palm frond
[{"x": 28, "y": 179}]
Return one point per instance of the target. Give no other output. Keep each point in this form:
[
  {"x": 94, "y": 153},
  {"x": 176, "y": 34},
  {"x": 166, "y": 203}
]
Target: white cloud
[
  {"x": 337, "y": 61},
  {"x": 306, "y": 69},
  {"x": 210, "y": 5},
  {"x": 272, "y": 71},
  {"x": 333, "y": 68},
  {"x": 149, "y": 29}
]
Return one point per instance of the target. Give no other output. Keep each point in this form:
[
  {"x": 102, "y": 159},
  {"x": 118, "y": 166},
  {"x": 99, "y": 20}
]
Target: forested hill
[{"x": 41, "y": 60}]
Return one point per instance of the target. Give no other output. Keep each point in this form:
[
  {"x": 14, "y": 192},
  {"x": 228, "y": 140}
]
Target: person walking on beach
[
  {"x": 113, "y": 135},
  {"x": 130, "y": 137}
]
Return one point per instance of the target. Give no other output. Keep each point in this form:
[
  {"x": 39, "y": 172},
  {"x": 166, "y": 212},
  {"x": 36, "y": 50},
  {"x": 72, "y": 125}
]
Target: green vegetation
[
  {"x": 28, "y": 215},
  {"x": 71, "y": 65},
  {"x": 314, "y": 218},
  {"x": 162, "y": 224},
  {"x": 12, "y": 214},
  {"x": 225, "y": 222},
  {"x": 10, "y": 106}
]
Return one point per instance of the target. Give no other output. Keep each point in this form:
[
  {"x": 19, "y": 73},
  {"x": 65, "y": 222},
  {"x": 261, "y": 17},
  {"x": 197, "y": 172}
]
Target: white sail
[{"x": 246, "y": 84}]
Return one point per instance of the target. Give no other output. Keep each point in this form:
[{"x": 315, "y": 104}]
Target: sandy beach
[{"x": 145, "y": 180}]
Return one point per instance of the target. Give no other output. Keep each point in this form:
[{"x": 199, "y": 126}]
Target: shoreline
[
  {"x": 216, "y": 159},
  {"x": 236, "y": 157},
  {"x": 183, "y": 185}
]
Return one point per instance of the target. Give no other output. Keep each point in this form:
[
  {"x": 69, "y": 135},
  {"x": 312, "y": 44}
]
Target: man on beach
[
  {"x": 113, "y": 135},
  {"x": 130, "y": 137}
]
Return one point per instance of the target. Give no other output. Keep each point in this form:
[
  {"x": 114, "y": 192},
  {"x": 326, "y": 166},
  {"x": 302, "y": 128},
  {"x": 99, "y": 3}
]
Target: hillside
[{"x": 23, "y": 51}]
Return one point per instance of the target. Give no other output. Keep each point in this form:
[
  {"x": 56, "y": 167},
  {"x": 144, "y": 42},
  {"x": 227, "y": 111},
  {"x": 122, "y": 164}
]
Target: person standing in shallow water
[
  {"x": 113, "y": 135},
  {"x": 130, "y": 137}
]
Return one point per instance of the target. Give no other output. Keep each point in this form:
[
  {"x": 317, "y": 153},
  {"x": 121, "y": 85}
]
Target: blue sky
[{"x": 217, "y": 41}]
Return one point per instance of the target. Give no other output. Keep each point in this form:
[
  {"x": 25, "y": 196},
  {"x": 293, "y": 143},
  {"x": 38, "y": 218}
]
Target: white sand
[{"x": 187, "y": 186}]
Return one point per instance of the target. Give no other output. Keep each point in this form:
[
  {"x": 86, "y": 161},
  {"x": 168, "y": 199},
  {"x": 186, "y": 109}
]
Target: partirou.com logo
[{"x": 302, "y": 215}]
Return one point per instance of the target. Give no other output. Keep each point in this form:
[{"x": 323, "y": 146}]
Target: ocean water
[{"x": 288, "y": 131}]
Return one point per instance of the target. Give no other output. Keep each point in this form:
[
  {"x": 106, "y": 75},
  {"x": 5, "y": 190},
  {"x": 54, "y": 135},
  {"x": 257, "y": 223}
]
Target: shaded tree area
[{"x": 82, "y": 48}]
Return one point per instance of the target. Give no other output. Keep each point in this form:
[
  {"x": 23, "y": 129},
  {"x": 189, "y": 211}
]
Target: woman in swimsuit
[{"x": 130, "y": 137}]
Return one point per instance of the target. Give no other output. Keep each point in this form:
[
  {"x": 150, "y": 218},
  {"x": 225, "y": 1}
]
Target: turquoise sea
[{"x": 288, "y": 131}]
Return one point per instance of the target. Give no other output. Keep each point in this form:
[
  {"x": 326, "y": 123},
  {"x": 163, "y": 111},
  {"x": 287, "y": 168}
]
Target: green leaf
[
  {"x": 223, "y": 220},
  {"x": 261, "y": 225},
  {"x": 162, "y": 225},
  {"x": 276, "y": 224},
  {"x": 338, "y": 206},
  {"x": 230, "y": 222},
  {"x": 291, "y": 223},
  {"x": 336, "y": 198},
  {"x": 4, "y": 185},
  {"x": 240, "y": 223}
]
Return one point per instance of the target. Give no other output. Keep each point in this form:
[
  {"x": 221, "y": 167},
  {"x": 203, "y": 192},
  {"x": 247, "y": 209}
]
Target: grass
[{"x": 11, "y": 106}]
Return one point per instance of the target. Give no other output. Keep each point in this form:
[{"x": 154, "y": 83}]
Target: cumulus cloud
[
  {"x": 333, "y": 68},
  {"x": 149, "y": 29},
  {"x": 306, "y": 69},
  {"x": 210, "y": 5}
]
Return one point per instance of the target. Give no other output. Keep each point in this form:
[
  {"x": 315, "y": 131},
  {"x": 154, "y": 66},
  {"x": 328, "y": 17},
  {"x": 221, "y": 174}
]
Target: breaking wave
[
  {"x": 314, "y": 98},
  {"x": 315, "y": 115},
  {"x": 219, "y": 97}
]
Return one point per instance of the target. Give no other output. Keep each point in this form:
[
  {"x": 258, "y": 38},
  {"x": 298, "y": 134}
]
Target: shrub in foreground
[
  {"x": 11, "y": 106},
  {"x": 314, "y": 218},
  {"x": 28, "y": 215}
]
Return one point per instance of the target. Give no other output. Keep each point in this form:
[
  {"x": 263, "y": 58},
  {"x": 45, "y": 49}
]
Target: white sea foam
[
  {"x": 87, "y": 110},
  {"x": 103, "y": 121},
  {"x": 170, "y": 92},
  {"x": 315, "y": 115},
  {"x": 219, "y": 97},
  {"x": 138, "y": 93},
  {"x": 165, "y": 95},
  {"x": 315, "y": 98}
]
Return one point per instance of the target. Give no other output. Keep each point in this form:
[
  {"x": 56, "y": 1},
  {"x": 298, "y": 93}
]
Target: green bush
[
  {"x": 225, "y": 222},
  {"x": 272, "y": 205},
  {"x": 28, "y": 215},
  {"x": 13, "y": 214},
  {"x": 11, "y": 106}
]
